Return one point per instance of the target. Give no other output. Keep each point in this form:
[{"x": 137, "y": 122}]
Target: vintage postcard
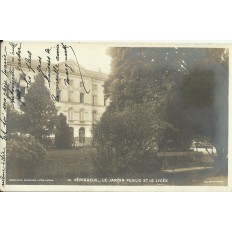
[{"x": 115, "y": 116}]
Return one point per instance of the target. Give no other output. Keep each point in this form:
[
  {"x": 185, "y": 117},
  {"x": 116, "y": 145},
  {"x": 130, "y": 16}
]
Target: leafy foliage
[
  {"x": 63, "y": 135},
  {"x": 40, "y": 114},
  {"x": 24, "y": 155},
  {"x": 14, "y": 121},
  {"x": 126, "y": 141},
  {"x": 190, "y": 83},
  {"x": 193, "y": 83}
]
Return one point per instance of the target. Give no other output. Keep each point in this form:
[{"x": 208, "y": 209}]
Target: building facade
[{"x": 81, "y": 100}]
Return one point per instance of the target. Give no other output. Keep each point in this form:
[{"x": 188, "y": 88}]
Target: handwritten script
[
  {"x": 18, "y": 69},
  {"x": 3, "y": 164},
  {"x": 3, "y": 122}
]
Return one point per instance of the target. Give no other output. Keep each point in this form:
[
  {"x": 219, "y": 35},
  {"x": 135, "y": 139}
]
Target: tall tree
[
  {"x": 40, "y": 113},
  {"x": 191, "y": 82}
]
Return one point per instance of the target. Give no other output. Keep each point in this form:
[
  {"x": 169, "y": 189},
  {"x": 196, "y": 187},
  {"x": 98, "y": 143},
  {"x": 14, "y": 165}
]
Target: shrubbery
[
  {"x": 127, "y": 141},
  {"x": 63, "y": 135},
  {"x": 25, "y": 156}
]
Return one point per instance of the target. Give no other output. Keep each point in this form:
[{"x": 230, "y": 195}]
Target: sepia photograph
[{"x": 114, "y": 114}]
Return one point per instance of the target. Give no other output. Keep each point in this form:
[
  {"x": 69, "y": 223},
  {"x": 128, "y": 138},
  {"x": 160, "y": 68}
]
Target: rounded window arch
[{"x": 82, "y": 135}]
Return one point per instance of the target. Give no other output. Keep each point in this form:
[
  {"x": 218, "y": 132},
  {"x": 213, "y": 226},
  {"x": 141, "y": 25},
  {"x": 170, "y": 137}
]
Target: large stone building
[{"x": 82, "y": 102}]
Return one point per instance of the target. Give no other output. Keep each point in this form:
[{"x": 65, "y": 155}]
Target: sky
[{"x": 92, "y": 56}]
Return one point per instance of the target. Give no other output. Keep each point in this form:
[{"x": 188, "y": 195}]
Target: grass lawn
[{"x": 63, "y": 164}]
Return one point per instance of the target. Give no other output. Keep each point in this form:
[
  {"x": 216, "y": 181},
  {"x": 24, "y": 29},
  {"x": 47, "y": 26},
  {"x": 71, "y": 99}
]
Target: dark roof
[
  {"x": 34, "y": 63},
  {"x": 85, "y": 72},
  {"x": 72, "y": 63}
]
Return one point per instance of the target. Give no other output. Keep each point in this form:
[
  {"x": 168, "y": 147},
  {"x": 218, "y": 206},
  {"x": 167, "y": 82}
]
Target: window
[
  {"x": 58, "y": 93},
  {"x": 23, "y": 91},
  {"x": 70, "y": 94},
  {"x": 83, "y": 85},
  {"x": 82, "y": 115},
  {"x": 70, "y": 114},
  {"x": 81, "y": 97},
  {"x": 94, "y": 116},
  {"x": 94, "y": 99},
  {"x": 22, "y": 77},
  {"x": 95, "y": 88},
  {"x": 18, "y": 94},
  {"x": 82, "y": 135}
]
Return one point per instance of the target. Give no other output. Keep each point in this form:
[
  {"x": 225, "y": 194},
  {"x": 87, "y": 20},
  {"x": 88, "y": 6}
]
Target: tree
[
  {"x": 63, "y": 135},
  {"x": 205, "y": 108},
  {"x": 191, "y": 82},
  {"x": 127, "y": 141},
  {"x": 14, "y": 121},
  {"x": 39, "y": 111}
]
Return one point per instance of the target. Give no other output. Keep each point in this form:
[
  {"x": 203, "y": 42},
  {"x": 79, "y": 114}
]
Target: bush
[
  {"x": 126, "y": 141},
  {"x": 64, "y": 134},
  {"x": 25, "y": 156}
]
